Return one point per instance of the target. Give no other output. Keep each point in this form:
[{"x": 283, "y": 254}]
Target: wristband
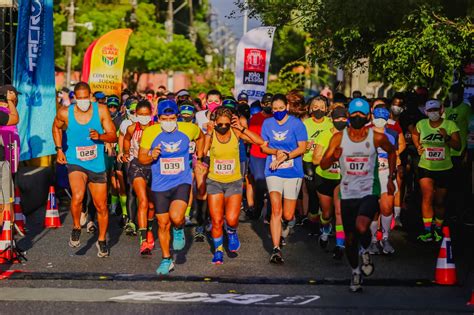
[
  {"x": 243, "y": 130},
  {"x": 58, "y": 148},
  {"x": 287, "y": 156}
]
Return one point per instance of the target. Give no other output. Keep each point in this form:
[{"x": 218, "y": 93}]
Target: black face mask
[
  {"x": 222, "y": 130},
  {"x": 340, "y": 125},
  {"x": 267, "y": 109},
  {"x": 358, "y": 122},
  {"x": 187, "y": 118},
  {"x": 318, "y": 114}
]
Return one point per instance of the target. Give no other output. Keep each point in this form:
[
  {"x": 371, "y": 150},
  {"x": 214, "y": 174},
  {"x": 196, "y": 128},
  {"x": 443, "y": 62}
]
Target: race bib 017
[
  {"x": 357, "y": 165},
  {"x": 86, "y": 153},
  {"x": 224, "y": 167},
  {"x": 171, "y": 166}
]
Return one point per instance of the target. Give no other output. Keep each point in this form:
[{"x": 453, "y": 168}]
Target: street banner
[
  {"x": 253, "y": 61},
  {"x": 86, "y": 63},
  {"x": 108, "y": 57},
  {"x": 34, "y": 77}
]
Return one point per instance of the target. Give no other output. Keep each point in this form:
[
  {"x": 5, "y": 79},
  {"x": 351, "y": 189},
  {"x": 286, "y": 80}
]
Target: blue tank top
[{"x": 81, "y": 150}]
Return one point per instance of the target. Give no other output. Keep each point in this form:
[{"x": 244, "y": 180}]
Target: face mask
[
  {"x": 280, "y": 115},
  {"x": 267, "y": 109},
  {"x": 187, "y": 118},
  {"x": 433, "y": 116},
  {"x": 318, "y": 114},
  {"x": 358, "y": 122},
  {"x": 212, "y": 106},
  {"x": 340, "y": 125},
  {"x": 421, "y": 109},
  {"x": 169, "y": 126},
  {"x": 143, "y": 120},
  {"x": 396, "y": 110},
  {"x": 222, "y": 130},
  {"x": 132, "y": 118},
  {"x": 379, "y": 122},
  {"x": 83, "y": 105}
]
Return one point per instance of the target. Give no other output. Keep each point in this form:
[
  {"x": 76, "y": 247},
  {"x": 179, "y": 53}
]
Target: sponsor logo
[
  {"x": 279, "y": 136},
  {"x": 433, "y": 137},
  {"x": 171, "y": 146},
  {"x": 254, "y": 66},
  {"x": 34, "y": 34},
  {"x": 110, "y": 54}
]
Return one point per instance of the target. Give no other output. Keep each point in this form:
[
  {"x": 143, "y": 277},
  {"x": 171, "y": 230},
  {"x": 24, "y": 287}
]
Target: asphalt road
[{"x": 58, "y": 279}]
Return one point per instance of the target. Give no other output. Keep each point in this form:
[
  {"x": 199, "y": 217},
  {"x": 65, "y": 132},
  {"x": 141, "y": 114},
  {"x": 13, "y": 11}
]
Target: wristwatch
[{"x": 58, "y": 148}]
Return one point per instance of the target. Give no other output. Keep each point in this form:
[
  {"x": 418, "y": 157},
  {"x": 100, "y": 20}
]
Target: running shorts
[
  {"x": 137, "y": 170},
  {"x": 441, "y": 178},
  {"x": 163, "y": 199},
  {"x": 326, "y": 186},
  {"x": 288, "y": 187},
  {"x": 228, "y": 189},
  {"x": 92, "y": 177},
  {"x": 367, "y": 206}
]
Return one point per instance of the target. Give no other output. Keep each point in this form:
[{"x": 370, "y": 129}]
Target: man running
[
  {"x": 87, "y": 126},
  {"x": 356, "y": 150}
]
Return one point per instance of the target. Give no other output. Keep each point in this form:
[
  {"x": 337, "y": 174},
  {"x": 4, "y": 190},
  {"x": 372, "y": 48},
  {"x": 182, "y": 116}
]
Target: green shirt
[
  {"x": 334, "y": 172},
  {"x": 314, "y": 129},
  {"x": 460, "y": 115},
  {"x": 437, "y": 154}
]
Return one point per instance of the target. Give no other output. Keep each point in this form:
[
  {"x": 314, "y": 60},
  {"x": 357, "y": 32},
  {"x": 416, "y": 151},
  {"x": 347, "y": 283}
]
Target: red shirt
[
  {"x": 395, "y": 125},
  {"x": 255, "y": 125}
]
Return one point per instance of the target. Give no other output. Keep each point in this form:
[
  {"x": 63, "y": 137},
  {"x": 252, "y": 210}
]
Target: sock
[
  {"x": 340, "y": 236},
  {"x": 356, "y": 270},
  {"x": 114, "y": 200},
  {"x": 188, "y": 212},
  {"x": 325, "y": 225},
  {"x": 386, "y": 221},
  {"x": 396, "y": 211},
  {"x": 218, "y": 244},
  {"x": 150, "y": 225},
  {"x": 231, "y": 230},
  {"x": 123, "y": 204},
  {"x": 142, "y": 235},
  {"x": 365, "y": 240},
  {"x": 427, "y": 224},
  {"x": 373, "y": 231},
  {"x": 438, "y": 223}
]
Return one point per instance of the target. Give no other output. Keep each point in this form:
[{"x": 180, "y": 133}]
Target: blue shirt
[
  {"x": 172, "y": 168},
  {"x": 284, "y": 137}
]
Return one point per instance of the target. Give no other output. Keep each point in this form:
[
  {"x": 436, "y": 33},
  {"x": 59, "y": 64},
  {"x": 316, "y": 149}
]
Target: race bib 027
[{"x": 435, "y": 154}]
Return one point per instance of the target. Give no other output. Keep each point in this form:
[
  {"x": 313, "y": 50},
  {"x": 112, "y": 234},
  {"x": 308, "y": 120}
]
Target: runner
[
  {"x": 356, "y": 150},
  {"x": 84, "y": 123},
  {"x": 327, "y": 183},
  {"x": 166, "y": 147},
  {"x": 434, "y": 138},
  {"x": 224, "y": 182},
  {"x": 285, "y": 142}
]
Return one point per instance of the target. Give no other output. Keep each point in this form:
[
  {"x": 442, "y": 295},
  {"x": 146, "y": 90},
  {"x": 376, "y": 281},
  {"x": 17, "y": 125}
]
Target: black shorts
[
  {"x": 162, "y": 199},
  {"x": 326, "y": 186},
  {"x": 441, "y": 178},
  {"x": 137, "y": 170},
  {"x": 352, "y": 208},
  {"x": 92, "y": 177}
]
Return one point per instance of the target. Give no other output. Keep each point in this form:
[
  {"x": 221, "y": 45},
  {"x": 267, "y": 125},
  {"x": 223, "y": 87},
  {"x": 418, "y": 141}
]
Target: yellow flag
[{"x": 108, "y": 57}]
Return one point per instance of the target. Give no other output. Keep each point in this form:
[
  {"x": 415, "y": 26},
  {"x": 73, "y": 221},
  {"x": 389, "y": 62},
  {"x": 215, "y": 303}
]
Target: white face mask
[
  {"x": 396, "y": 110},
  {"x": 83, "y": 105},
  {"x": 132, "y": 118},
  {"x": 379, "y": 122},
  {"x": 143, "y": 120},
  {"x": 433, "y": 116},
  {"x": 169, "y": 126}
]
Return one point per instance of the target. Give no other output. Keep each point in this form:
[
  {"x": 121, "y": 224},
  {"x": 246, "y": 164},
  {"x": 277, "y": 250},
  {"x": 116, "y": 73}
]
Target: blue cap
[
  {"x": 359, "y": 105},
  {"x": 255, "y": 108},
  {"x": 381, "y": 112},
  {"x": 113, "y": 101},
  {"x": 167, "y": 107},
  {"x": 99, "y": 95},
  {"x": 186, "y": 109},
  {"x": 229, "y": 103}
]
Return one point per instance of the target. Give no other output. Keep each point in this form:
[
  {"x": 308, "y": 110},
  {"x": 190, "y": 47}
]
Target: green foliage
[
  {"x": 223, "y": 82},
  {"x": 288, "y": 46}
]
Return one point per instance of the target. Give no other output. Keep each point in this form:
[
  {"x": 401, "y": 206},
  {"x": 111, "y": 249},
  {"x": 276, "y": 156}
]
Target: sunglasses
[{"x": 223, "y": 125}]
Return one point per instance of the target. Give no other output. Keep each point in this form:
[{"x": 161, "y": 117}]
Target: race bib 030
[{"x": 224, "y": 167}]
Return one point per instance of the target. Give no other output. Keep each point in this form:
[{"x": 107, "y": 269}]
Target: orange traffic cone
[
  {"x": 471, "y": 301},
  {"x": 7, "y": 246},
  {"x": 445, "y": 269},
  {"x": 51, "y": 220},
  {"x": 19, "y": 216}
]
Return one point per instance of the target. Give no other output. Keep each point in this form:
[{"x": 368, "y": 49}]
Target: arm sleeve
[{"x": 4, "y": 118}]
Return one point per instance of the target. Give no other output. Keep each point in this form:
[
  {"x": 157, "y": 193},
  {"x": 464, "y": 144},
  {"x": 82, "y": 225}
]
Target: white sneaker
[
  {"x": 91, "y": 228},
  {"x": 374, "y": 248},
  {"x": 387, "y": 248},
  {"x": 83, "y": 219}
]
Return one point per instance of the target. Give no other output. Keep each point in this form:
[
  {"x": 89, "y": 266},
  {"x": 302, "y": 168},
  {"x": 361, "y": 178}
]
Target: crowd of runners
[{"x": 343, "y": 166}]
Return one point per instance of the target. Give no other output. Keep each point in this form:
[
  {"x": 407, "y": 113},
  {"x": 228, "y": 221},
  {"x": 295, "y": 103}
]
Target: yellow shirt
[
  {"x": 225, "y": 160},
  {"x": 150, "y": 133}
]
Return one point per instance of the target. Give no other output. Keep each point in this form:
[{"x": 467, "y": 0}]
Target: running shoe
[
  {"x": 374, "y": 248},
  {"x": 387, "y": 248},
  {"x": 179, "y": 241},
  {"x": 338, "y": 252},
  {"x": 276, "y": 257},
  {"x": 367, "y": 266},
  {"x": 83, "y": 219},
  {"x": 234, "y": 243},
  {"x": 130, "y": 228},
  {"x": 113, "y": 209},
  {"x": 187, "y": 221},
  {"x": 75, "y": 239},
  {"x": 209, "y": 227},
  {"x": 145, "y": 249},
  {"x": 356, "y": 282},
  {"x": 91, "y": 228},
  {"x": 437, "y": 235},
  {"x": 218, "y": 258},
  {"x": 398, "y": 222},
  {"x": 103, "y": 249},
  {"x": 285, "y": 230},
  {"x": 165, "y": 267},
  {"x": 425, "y": 238},
  {"x": 199, "y": 234},
  {"x": 282, "y": 241},
  {"x": 323, "y": 240},
  {"x": 150, "y": 239}
]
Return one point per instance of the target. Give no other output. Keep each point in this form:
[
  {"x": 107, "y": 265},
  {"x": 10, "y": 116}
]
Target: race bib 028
[{"x": 86, "y": 153}]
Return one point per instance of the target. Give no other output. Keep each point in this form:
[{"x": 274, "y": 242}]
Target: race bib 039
[{"x": 171, "y": 166}]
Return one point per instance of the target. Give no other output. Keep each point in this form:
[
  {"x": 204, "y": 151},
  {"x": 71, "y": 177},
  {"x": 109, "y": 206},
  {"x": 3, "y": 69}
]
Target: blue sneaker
[
  {"x": 218, "y": 258},
  {"x": 234, "y": 243},
  {"x": 178, "y": 239},
  {"x": 165, "y": 267}
]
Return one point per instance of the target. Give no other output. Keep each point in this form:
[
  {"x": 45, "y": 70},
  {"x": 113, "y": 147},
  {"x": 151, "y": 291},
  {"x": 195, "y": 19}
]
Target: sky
[{"x": 224, "y": 8}]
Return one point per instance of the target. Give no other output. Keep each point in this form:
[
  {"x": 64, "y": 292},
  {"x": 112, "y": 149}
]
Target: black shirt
[{"x": 4, "y": 118}]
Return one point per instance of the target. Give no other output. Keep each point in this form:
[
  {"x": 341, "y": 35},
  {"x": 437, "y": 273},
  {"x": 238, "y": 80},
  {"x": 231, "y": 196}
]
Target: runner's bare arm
[
  {"x": 415, "y": 136},
  {"x": 318, "y": 154},
  {"x": 402, "y": 144},
  {"x": 59, "y": 124},
  {"x": 333, "y": 153},
  {"x": 110, "y": 133},
  {"x": 200, "y": 141},
  {"x": 126, "y": 143},
  {"x": 453, "y": 140},
  {"x": 13, "y": 118},
  {"x": 381, "y": 140},
  {"x": 146, "y": 156}
]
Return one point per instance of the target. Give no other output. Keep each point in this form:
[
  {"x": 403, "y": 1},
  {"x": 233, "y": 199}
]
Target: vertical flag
[
  {"x": 253, "y": 61},
  {"x": 108, "y": 57},
  {"x": 34, "y": 77},
  {"x": 86, "y": 63}
]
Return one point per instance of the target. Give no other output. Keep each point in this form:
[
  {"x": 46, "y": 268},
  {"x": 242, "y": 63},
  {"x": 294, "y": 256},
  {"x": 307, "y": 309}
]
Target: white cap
[{"x": 432, "y": 104}]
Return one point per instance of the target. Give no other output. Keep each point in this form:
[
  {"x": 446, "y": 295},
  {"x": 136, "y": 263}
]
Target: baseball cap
[
  {"x": 255, "y": 108},
  {"x": 5, "y": 88},
  {"x": 186, "y": 109},
  {"x": 432, "y": 104},
  {"x": 229, "y": 103},
  {"x": 381, "y": 112},
  {"x": 242, "y": 97},
  {"x": 182, "y": 93},
  {"x": 359, "y": 105},
  {"x": 113, "y": 101},
  {"x": 339, "y": 112},
  {"x": 99, "y": 95},
  {"x": 267, "y": 97},
  {"x": 167, "y": 107}
]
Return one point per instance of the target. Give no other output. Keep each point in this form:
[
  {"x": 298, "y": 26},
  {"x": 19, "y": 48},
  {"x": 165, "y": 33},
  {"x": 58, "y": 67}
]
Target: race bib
[
  {"x": 357, "y": 165},
  {"x": 192, "y": 147},
  {"x": 287, "y": 164},
  {"x": 86, "y": 153},
  {"x": 224, "y": 167},
  {"x": 434, "y": 154},
  {"x": 334, "y": 169},
  {"x": 383, "y": 163},
  {"x": 171, "y": 166}
]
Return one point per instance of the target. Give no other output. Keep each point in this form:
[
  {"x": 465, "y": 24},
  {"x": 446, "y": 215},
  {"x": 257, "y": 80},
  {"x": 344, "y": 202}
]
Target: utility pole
[
  {"x": 246, "y": 16},
  {"x": 192, "y": 33},
  {"x": 169, "y": 21},
  {"x": 70, "y": 28}
]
